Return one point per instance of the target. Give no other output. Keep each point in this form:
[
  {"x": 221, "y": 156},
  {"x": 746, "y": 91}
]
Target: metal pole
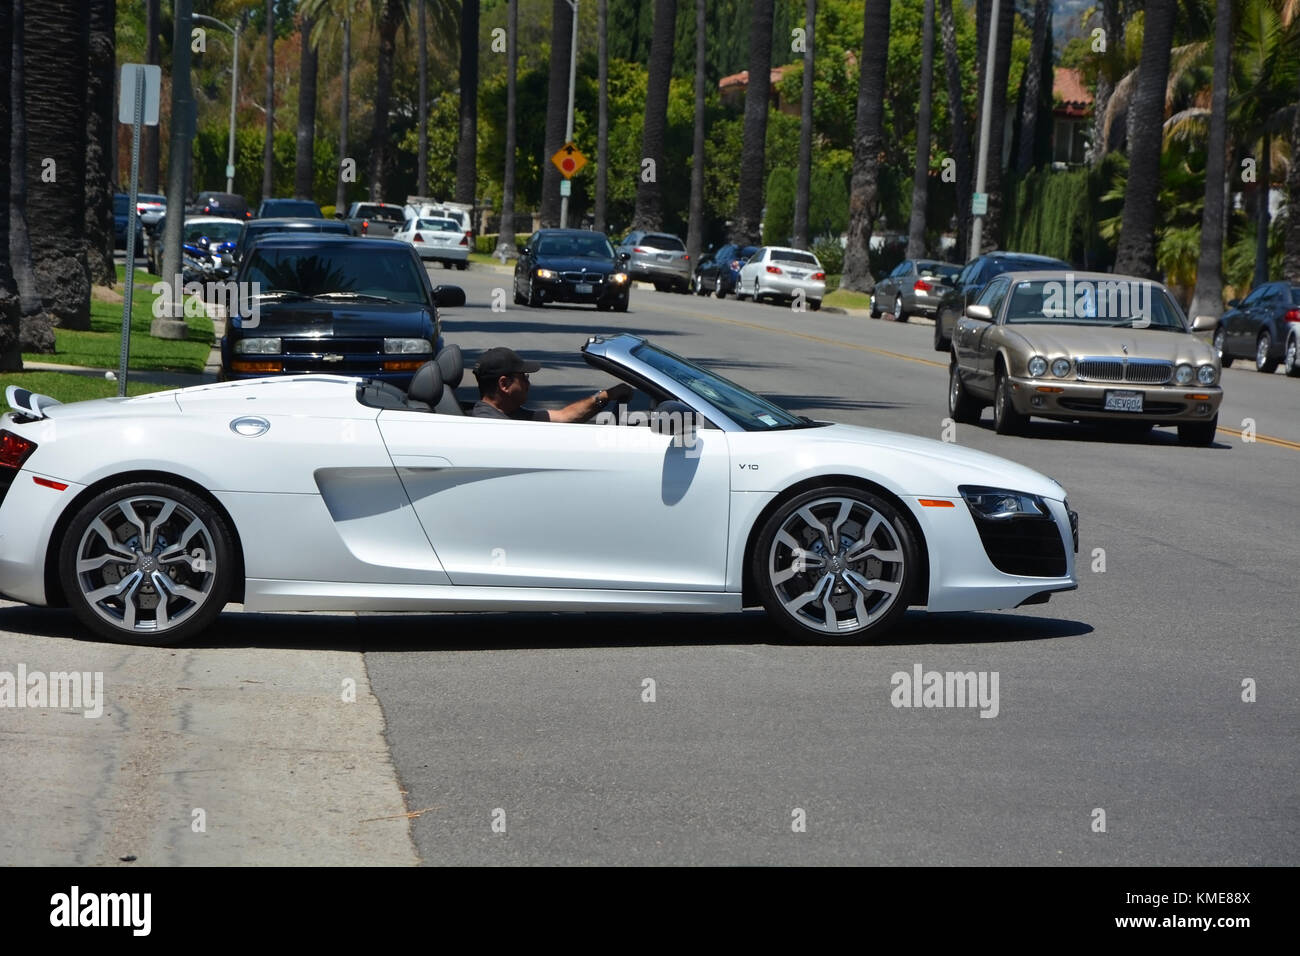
[
  {"x": 234, "y": 93},
  {"x": 981, "y": 173},
  {"x": 131, "y": 223},
  {"x": 568, "y": 125}
]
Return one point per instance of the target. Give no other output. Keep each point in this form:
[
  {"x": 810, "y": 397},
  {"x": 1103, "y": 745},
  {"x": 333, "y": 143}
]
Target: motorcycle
[{"x": 203, "y": 261}]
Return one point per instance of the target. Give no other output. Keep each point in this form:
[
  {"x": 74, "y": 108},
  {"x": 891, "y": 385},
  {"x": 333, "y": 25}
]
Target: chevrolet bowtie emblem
[{"x": 332, "y": 357}]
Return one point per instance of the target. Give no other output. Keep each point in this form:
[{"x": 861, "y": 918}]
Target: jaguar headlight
[
  {"x": 999, "y": 504},
  {"x": 1037, "y": 366},
  {"x": 257, "y": 347},
  {"x": 1206, "y": 375},
  {"x": 1183, "y": 374},
  {"x": 1061, "y": 367},
  {"x": 545, "y": 274}
]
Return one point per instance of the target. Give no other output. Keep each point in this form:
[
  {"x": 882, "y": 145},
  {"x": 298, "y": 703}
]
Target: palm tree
[
  {"x": 506, "y": 231},
  {"x": 268, "y": 145},
  {"x": 649, "y": 193},
  {"x": 1208, "y": 297},
  {"x": 747, "y": 228},
  {"x": 868, "y": 143},
  {"x": 304, "y": 166},
  {"x": 1030, "y": 86},
  {"x": 467, "y": 150},
  {"x": 149, "y": 135},
  {"x": 921, "y": 175},
  {"x": 422, "y": 48},
  {"x": 960, "y": 136},
  {"x": 801, "y": 192},
  {"x": 324, "y": 14},
  {"x": 602, "y": 121},
  {"x": 1136, "y": 254},
  {"x": 1112, "y": 24},
  {"x": 695, "y": 224},
  {"x": 11, "y": 353},
  {"x": 392, "y": 14},
  {"x": 557, "y": 98},
  {"x": 1291, "y": 258},
  {"x": 101, "y": 130}
]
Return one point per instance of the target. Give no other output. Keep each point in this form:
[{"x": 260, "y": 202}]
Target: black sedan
[
  {"x": 973, "y": 277},
  {"x": 1258, "y": 326},
  {"x": 571, "y": 265},
  {"x": 339, "y": 305},
  {"x": 718, "y": 272}
]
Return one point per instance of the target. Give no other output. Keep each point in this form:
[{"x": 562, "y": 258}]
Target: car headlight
[
  {"x": 1183, "y": 374},
  {"x": 1061, "y": 367},
  {"x": 545, "y": 274},
  {"x": 618, "y": 278},
  {"x": 408, "y": 346},
  {"x": 1037, "y": 366},
  {"x": 1206, "y": 375},
  {"x": 257, "y": 347},
  {"x": 998, "y": 504}
]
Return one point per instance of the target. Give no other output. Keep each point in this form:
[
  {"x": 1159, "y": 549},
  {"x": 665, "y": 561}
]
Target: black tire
[
  {"x": 1198, "y": 433},
  {"x": 514, "y": 288},
  {"x": 699, "y": 285},
  {"x": 757, "y": 298},
  {"x": 875, "y": 313},
  {"x": 202, "y": 564},
  {"x": 1292, "y": 361},
  {"x": 899, "y": 314},
  {"x": 855, "y": 613},
  {"x": 964, "y": 409},
  {"x": 941, "y": 342},
  {"x": 1006, "y": 420},
  {"x": 462, "y": 266},
  {"x": 1221, "y": 346},
  {"x": 718, "y": 290},
  {"x": 815, "y": 304},
  {"x": 534, "y": 297},
  {"x": 1264, "y": 362},
  {"x": 621, "y": 304}
]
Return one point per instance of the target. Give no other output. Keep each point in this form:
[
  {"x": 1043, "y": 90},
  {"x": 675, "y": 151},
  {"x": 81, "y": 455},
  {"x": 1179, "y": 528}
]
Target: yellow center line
[{"x": 1266, "y": 439}]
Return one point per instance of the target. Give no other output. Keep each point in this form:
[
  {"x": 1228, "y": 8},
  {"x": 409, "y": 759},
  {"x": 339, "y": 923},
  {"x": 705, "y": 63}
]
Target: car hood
[
  {"x": 350, "y": 319},
  {"x": 1075, "y": 341},
  {"x": 566, "y": 264}
]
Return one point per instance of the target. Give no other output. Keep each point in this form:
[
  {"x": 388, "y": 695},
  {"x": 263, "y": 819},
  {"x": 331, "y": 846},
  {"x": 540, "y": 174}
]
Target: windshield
[
  {"x": 663, "y": 242},
  {"x": 290, "y": 207},
  {"x": 348, "y": 271},
  {"x": 438, "y": 225},
  {"x": 788, "y": 255},
  {"x": 746, "y": 409},
  {"x": 574, "y": 247},
  {"x": 215, "y": 231},
  {"x": 1109, "y": 302}
]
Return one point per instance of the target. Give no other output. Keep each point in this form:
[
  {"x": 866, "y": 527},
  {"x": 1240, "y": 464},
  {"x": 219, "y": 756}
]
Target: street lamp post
[
  {"x": 234, "y": 94},
  {"x": 986, "y": 122},
  {"x": 568, "y": 124}
]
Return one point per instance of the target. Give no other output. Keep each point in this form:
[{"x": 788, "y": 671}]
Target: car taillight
[
  {"x": 735, "y": 264},
  {"x": 418, "y": 238},
  {"x": 464, "y": 240},
  {"x": 687, "y": 257},
  {"x": 638, "y": 251},
  {"x": 921, "y": 286},
  {"x": 819, "y": 275},
  {"x": 1293, "y": 315},
  {"x": 365, "y": 226},
  {"x": 775, "y": 270},
  {"x": 14, "y": 450}
]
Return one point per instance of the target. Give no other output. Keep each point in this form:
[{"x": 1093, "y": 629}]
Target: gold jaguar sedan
[{"x": 1084, "y": 346}]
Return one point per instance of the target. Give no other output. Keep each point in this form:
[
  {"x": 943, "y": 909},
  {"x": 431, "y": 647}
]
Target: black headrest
[
  {"x": 426, "y": 384},
  {"x": 452, "y": 365}
]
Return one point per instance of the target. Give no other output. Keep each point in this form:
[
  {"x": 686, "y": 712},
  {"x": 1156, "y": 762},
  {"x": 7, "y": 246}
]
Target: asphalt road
[{"x": 1121, "y": 735}]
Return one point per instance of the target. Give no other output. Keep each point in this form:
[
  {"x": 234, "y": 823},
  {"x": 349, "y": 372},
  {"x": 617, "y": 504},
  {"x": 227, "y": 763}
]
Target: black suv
[
  {"x": 974, "y": 277},
  {"x": 571, "y": 265}
]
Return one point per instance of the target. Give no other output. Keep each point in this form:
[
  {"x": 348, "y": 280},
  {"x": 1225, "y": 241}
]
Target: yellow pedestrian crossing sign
[{"x": 569, "y": 160}]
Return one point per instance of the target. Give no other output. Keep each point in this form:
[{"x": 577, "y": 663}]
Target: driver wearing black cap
[{"x": 503, "y": 388}]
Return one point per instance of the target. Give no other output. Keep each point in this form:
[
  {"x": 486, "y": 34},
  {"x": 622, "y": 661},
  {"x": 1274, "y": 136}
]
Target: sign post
[{"x": 141, "y": 87}]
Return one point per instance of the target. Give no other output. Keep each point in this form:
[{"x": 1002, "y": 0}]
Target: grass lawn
[
  {"x": 484, "y": 259},
  {"x": 67, "y": 387},
  {"x": 101, "y": 346},
  {"x": 848, "y": 300}
]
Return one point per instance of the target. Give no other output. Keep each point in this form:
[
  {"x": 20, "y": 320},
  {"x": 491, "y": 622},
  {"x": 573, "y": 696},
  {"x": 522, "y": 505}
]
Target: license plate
[
  {"x": 584, "y": 288},
  {"x": 665, "y": 256},
  {"x": 1123, "y": 402},
  {"x": 797, "y": 275}
]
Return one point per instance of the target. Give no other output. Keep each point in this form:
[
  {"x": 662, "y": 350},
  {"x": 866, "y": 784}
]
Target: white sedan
[
  {"x": 776, "y": 272},
  {"x": 439, "y": 240},
  {"x": 147, "y": 515}
]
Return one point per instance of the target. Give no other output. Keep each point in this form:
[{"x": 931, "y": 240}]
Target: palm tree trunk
[
  {"x": 557, "y": 98},
  {"x": 1208, "y": 297},
  {"x": 304, "y": 166},
  {"x": 1261, "y": 210},
  {"x": 1291, "y": 261},
  {"x": 868, "y": 143},
  {"x": 1136, "y": 254},
  {"x": 36, "y": 326},
  {"x": 998, "y": 127},
  {"x": 389, "y": 18},
  {"x": 341, "y": 191},
  {"x": 149, "y": 135},
  {"x": 101, "y": 129},
  {"x": 649, "y": 192},
  {"x": 268, "y": 144},
  {"x": 960, "y": 136},
  {"x": 180, "y": 136},
  {"x": 422, "y": 58},
  {"x": 803, "y": 188},
  {"x": 747, "y": 228},
  {"x": 695, "y": 225},
  {"x": 1112, "y": 24},
  {"x": 506, "y": 231},
  {"x": 602, "y": 122},
  {"x": 11, "y": 354},
  {"x": 467, "y": 153},
  {"x": 1029, "y": 87},
  {"x": 921, "y": 175}
]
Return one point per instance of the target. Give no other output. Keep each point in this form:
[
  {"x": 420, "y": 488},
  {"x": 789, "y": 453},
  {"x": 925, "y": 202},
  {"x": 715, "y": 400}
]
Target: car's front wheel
[
  {"x": 147, "y": 563},
  {"x": 1198, "y": 433},
  {"x": 534, "y": 297},
  {"x": 1006, "y": 420},
  {"x": 963, "y": 409},
  {"x": 836, "y": 565},
  {"x": 1221, "y": 346},
  {"x": 941, "y": 342}
]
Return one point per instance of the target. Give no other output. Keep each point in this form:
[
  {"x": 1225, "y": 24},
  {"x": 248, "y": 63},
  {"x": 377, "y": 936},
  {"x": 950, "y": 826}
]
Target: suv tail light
[
  {"x": 14, "y": 450},
  {"x": 775, "y": 270},
  {"x": 922, "y": 286},
  {"x": 1293, "y": 315},
  {"x": 638, "y": 251},
  {"x": 687, "y": 257}
]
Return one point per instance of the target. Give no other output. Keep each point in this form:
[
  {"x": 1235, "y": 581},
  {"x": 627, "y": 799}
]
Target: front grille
[
  {"x": 1028, "y": 547},
  {"x": 332, "y": 345},
  {"x": 1138, "y": 371},
  {"x": 1095, "y": 405},
  {"x": 582, "y": 277}
]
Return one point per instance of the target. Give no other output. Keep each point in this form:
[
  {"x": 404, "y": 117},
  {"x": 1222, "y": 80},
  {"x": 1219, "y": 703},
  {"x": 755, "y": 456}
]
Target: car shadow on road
[
  {"x": 506, "y": 326},
  {"x": 1166, "y": 437}
]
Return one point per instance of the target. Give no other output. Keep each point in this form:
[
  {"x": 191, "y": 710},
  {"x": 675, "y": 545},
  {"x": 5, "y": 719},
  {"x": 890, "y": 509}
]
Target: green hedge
[
  {"x": 1057, "y": 213},
  {"x": 488, "y": 244}
]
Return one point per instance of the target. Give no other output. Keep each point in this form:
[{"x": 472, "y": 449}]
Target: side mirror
[
  {"x": 980, "y": 313},
  {"x": 676, "y": 419},
  {"x": 449, "y": 296},
  {"x": 624, "y": 256},
  {"x": 524, "y": 250},
  {"x": 339, "y": 214},
  {"x": 1204, "y": 323},
  {"x": 1233, "y": 303}
]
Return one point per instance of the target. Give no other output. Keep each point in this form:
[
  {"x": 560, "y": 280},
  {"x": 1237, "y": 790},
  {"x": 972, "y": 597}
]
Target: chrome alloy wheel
[
  {"x": 146, "y": 564},
  {"x": 836, "y": 565}
]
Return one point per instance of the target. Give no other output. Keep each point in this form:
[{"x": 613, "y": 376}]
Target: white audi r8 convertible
[{"x": 147, "y": 515}]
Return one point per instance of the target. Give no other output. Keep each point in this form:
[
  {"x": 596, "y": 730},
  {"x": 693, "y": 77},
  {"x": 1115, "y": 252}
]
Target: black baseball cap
[{"x": 496, "y": 362}]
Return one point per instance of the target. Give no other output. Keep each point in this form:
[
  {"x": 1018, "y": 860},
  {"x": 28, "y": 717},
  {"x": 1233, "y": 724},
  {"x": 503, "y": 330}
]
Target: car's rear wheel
[
  {"x": 1292, "y": 362},
  {"x": 899, "y": 314},
  {"x": 1264, "y": 361},
  {"x": 1198, "y": 433},
  {"x": 1221, "y": 346},
  {"x": 836, "y": 565},
  {"x": 815, "y": 304},
  {"x": 718, "y": 290},
  {"x": 963, "y": 409},
  {"x": 941, "y": 342},
  {"x": 147, "y": 563},
  {"x": 875, "y": 312},
  {"x": 462, "y": 266},
  {"x": 1006, "y": 420}
]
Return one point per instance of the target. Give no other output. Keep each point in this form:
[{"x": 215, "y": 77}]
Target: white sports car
[{"x": 147, "y": 515}]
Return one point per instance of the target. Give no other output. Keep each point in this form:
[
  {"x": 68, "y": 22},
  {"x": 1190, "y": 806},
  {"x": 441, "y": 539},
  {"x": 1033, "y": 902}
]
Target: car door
[
  {"x": 974, "y": 341},
  {"x": 1241, "y": 324},
  {"x": 542, "y": 504}
]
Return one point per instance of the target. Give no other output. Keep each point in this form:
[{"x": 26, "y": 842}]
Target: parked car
[
  {"x": 779, "y": 273},
  {"x": 151, "y": 207},
  {"x": 436, "y": 240},
  {"x": 657, "y": 257},
  {"x": 1034, "y": 344},
  {"x": 717, "y": 272},
  {"x": 1259, "y": 326},
  {"x": 913, "y": 288},
  {"x": 258, "y": 228},
  {"x": 571, "y": 265},
  {"x": 336, "y": 304},
  {"x": 329, "y": 493},
  {"x": 378, "y": 219},
  {"x": 421, "y": 207},
  {"x": 221, "y": 204},
  {"x": 121, "y": 218},
  {"x": 973, "y": 277},
  {"x": 289, "y": 209}
]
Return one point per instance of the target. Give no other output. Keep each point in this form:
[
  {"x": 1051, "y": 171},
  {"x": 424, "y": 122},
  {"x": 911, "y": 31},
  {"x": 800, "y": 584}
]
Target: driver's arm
[{"x": 585, "y": 408}]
